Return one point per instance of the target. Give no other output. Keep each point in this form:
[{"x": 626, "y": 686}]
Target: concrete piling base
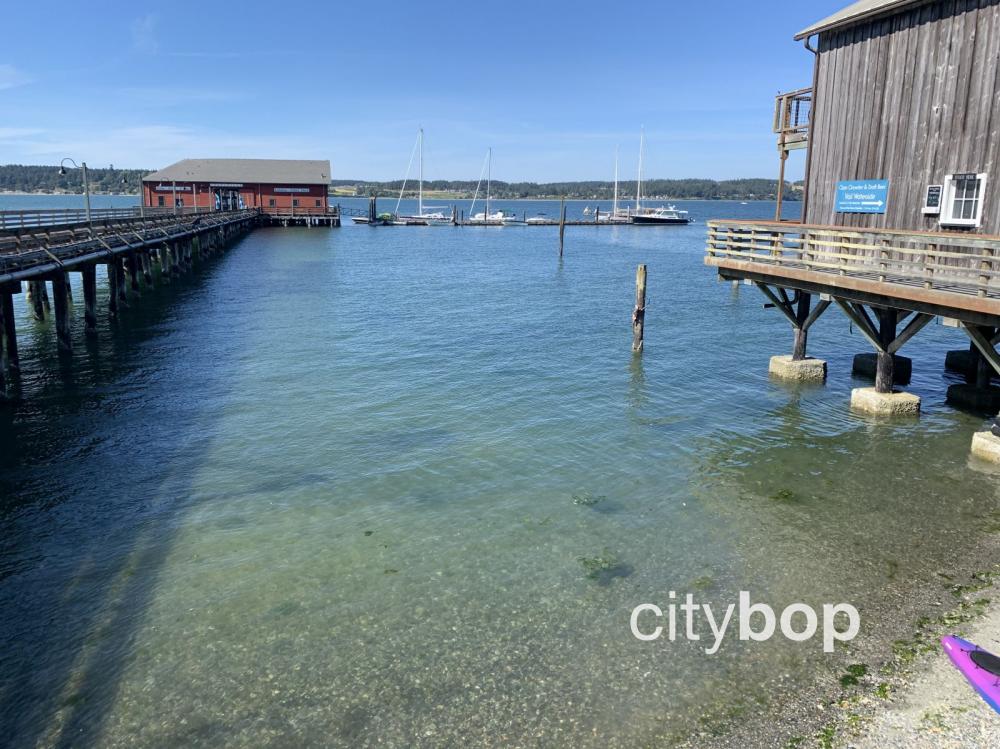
[
  {"x": 982, "y": 400},
  {"x": 897, "y": 403},
  {"x": 986, "y": 445},
  {"x": 865, "y": 365},
  {"x": 803, "y": 370}
]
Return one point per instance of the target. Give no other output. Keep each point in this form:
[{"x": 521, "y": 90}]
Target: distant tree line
[
  {"x": 21, "y": 178},
  {"x": 693, "y": 189}
]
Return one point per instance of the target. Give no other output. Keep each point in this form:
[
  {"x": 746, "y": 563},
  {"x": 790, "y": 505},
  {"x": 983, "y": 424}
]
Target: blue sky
[{"x": 552, "y": 87}]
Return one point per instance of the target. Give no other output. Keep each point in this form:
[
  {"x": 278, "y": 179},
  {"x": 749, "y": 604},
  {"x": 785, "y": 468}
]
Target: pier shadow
[{"x": 79, "y": 566}]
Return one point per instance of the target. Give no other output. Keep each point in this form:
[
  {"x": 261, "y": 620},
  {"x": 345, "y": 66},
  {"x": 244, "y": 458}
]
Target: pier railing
[
  {"x": 944, "y": 261},
  {"x": 38, "y": 218}
]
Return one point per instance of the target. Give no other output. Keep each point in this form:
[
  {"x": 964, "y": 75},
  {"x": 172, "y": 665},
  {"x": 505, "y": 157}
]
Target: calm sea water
[{"x": 328, "y": 491}]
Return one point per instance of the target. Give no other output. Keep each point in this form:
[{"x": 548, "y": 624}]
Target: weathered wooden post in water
[
  {"x": 9, "y": 328},
  {"x": 562, "y": 224},
  {"x": 89, "y": 274},
  {"x": 63, "y": 335},
  {"x": 639, "y": 313}
]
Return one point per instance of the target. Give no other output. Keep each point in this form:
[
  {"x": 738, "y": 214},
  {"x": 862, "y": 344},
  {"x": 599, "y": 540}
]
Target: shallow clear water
[{"x": 322, "y": 492}]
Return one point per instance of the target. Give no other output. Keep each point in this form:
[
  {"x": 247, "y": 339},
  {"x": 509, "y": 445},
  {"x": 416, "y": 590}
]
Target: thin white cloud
[
  {"x": 11, "y": 77},
  {"x": 144, "y": 34},
  {"x": 169, "y": 96},
  {"x": 154, "y": 146}
]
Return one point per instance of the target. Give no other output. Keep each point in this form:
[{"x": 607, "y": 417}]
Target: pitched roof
[
  {"x": 856, "y": 12},
  {"x": 280, "y": 171}
]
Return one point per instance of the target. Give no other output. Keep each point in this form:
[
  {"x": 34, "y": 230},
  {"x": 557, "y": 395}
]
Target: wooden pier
[
  {"x": 879, "y": 278},
  {"x": 40, "y": 248}
]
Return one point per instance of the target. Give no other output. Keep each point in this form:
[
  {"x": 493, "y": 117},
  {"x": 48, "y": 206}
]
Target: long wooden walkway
[{"x": 36, "y": 250}]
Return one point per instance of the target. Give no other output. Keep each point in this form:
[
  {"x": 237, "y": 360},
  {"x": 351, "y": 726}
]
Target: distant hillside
[
  {"x": 680, "y": 189},
  {"x": 18, "y": 178},
  {"x": 46, "y": 179}
]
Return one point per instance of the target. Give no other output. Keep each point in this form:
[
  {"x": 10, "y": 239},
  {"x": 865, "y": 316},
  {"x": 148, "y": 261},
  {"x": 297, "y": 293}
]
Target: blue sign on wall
[{"x": 862, "y": 196}]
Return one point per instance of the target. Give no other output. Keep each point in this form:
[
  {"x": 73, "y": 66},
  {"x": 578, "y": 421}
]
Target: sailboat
[
  {"x": 424, "y": 216},
  {"x": 485, "y": 218},
  {"x": 662, "y": 215},
  {"x": 616, "y": 216}
]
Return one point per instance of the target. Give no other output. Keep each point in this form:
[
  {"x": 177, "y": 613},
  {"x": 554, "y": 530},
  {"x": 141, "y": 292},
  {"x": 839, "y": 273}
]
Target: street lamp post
[
  {"x": 82, "y": 166},
  {"x": 142, "y": 197}
]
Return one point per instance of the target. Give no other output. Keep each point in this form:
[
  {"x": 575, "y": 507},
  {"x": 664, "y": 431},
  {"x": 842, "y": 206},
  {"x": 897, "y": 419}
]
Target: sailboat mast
[
  {"x": 489, "y": 180},
  {"x": 614, "y": 210},
  {"x": 420, "y": 192},
  {"x": 638, "y": 181}
]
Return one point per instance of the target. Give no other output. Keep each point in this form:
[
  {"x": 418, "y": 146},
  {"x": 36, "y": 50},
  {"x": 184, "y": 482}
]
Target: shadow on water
[{"x": 80, "y": 563}]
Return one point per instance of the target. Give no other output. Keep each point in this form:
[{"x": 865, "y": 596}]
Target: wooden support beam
[
  {"x": 9, "y": 330},
  {"x": 64, "y": 335},
  {"x": 915, "y": 325},
  {"x": 89, "y": 275},
  {"x": 862, "y": 323},
  {"x": 780, "y": 304},
  {"x": 818, "y": 310},
  {"x": 982, "y": 342},
  {"x": 147, "y": 267},
  {"x": 639, "y": 313}
]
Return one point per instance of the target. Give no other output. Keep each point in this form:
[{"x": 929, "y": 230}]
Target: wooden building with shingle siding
[{"x": 907, "y": 91}]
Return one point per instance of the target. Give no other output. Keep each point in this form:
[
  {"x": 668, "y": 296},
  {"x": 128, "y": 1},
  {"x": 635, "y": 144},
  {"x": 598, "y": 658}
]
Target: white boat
[
  {"x": 423, "y": 217},
  {"x": 541, "y": 218},
  {"x": 664, "y": 214},
  {"x": 497, "y": 218},
  {"x": 484, "y": 217},
  {"x": 661, "y": 216}
]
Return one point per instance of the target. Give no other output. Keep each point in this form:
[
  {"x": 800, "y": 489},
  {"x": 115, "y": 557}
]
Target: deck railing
[
  {"x": 38, "y": 218},
  {"x": 791, "y": 118},
  {"x": 947, "y": 261}
]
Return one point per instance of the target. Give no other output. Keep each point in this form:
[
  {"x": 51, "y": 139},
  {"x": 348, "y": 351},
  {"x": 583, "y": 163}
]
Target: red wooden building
[{"x": 274, "y": 185}]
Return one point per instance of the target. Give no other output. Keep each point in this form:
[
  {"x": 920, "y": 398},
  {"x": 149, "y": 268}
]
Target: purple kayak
[{"x": 979, "y": 666}]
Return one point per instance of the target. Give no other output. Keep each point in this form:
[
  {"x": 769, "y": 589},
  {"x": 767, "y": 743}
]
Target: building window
[
  {"x": 295, "y": 202},
  {"x": 317, "y": 204},
  {"x": 963, "y": 200},
  {"x": 270, "y": 203},
  {"x": 159, "y": 200}
]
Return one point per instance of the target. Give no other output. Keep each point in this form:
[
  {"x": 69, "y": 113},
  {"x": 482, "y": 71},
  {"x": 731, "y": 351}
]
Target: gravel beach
[{"x": 939, "y": 708}]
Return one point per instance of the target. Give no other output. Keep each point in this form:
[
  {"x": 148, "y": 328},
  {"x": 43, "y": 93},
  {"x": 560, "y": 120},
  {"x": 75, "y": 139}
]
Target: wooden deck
[{"x": 951, "y": 274}]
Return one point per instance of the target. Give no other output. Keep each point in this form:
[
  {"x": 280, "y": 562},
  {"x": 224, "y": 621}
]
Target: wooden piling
[
  {"x": 562, "y": 224},
  {"x": 113, "y": 273},
  {"x": 801, "y": 331},
  {"x": 132, "y": 264},
  {"x": 884, "y": 373},
  {"x": 89, "y": 275},
  {"x": 639, "y": 313},
  {"x": 147, "y": 267},
  {"x": 9, "y": 329},
  {"x": 36, "y": 300},
  {"x": 122, "y": 282},
  {"x": 63, "y": 329}
]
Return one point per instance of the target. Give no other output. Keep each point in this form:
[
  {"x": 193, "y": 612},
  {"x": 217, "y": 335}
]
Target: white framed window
[{"x": 963, "y": 200}]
